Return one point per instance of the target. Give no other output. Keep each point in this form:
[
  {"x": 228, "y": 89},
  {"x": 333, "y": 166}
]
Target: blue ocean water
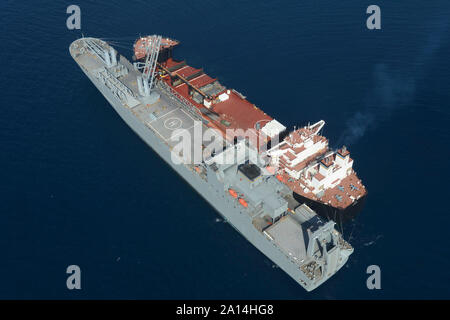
[{"x": 79, "y": 187}]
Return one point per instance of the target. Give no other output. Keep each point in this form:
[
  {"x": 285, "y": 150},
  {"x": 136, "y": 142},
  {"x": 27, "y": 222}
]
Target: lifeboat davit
[
  {"x": 233, "y": 193},
  {"x": 243, "y": 202}
]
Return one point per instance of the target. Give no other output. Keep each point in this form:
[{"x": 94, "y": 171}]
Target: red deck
[
  {"x": 234, "y": 112},
  {"x": 170, "y": 63},
  {"x": 201, "y": 81},
  {"x": 141, "y": 44},
  {"x": 187, "y": 71},
  {"x": 240, "y": 113}
]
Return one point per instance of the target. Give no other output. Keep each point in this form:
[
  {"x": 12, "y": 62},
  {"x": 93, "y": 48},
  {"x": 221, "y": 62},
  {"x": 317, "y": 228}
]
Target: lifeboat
[
  {"x": 243, "y": 202},
  {"x": 233, "y": 193},
  {"x": 280, "y": 178}
]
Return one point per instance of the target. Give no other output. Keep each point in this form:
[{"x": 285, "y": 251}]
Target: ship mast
[{"x": 146, "y": 81}]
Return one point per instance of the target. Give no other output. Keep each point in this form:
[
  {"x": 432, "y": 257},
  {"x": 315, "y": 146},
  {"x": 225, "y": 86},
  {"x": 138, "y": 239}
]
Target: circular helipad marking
[{"x": 172, "y": 123}]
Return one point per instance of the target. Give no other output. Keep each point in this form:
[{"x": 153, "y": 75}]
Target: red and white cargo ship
[{"x": 322, "y": 178}]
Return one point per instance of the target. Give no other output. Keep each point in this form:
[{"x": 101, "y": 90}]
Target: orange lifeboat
[
  {"x": 233, "y": 193},
  {"x": 280, "y": 178},
  {"x": 243, "y": 202}
]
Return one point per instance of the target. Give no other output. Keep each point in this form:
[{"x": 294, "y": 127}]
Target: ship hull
[
  {"x": 210, "y": 189},
  {"x": 338, "y": 215},
  {"x": 223, "y": 204}
]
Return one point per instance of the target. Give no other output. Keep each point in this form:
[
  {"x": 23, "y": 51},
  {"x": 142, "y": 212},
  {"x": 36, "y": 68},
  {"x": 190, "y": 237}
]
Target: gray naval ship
[{"x": 293, "y": 236}]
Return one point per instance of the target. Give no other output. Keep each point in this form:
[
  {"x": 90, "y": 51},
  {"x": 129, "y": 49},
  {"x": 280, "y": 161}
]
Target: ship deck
[
  {"x": 341, "y": 196},
  {"x": 289, "y": 237},
  {"x": 166, "y": 119},
  {"x": 164, "y": 115},
  {"x": 233, "y": 111},
  {"x": 172, "y": 123}
]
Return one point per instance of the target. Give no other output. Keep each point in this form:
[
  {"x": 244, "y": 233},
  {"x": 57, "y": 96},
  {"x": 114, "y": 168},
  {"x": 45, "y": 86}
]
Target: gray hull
[{"x": 210, "y": 190}]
